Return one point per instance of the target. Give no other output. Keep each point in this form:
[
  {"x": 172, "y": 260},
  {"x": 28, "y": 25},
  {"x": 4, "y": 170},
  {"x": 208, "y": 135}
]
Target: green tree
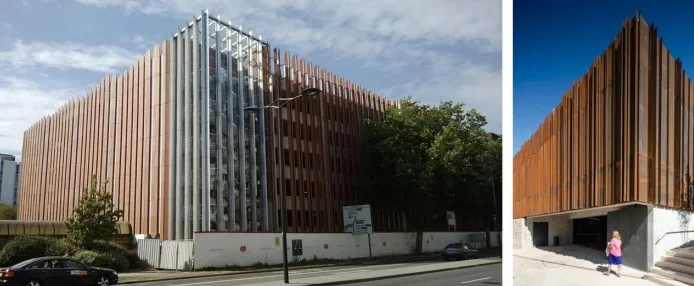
[
  {"x": 94, "y": 218},
  {"x": 423, "y": 160},
  {"x": 8, "y": 212}
]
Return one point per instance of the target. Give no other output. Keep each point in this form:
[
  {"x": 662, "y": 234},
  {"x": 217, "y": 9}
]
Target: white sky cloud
[
  {"x": 433, "y": 50},
  {"x": 28, "y": 91},
  {"x": 385, "y": 34},
  {"x": 101, "y": 58},
  {"x": 24, "y": 101}
]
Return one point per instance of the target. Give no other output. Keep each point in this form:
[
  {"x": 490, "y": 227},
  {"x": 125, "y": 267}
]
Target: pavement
[
  {"x": 157, "y": 275},
  {"x": 335, "y": 275},
  {"x": 569, "y": 265},
  {"x": 473, "y": 276}
]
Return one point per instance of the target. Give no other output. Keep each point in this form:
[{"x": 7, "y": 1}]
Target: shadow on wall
[{"x": 684, "y": 217}]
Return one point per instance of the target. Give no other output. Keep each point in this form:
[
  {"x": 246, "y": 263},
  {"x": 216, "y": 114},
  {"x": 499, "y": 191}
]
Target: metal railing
[{"x": 673, "y": 232}]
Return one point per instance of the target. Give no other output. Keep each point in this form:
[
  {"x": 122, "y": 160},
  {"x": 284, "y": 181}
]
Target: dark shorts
[{"x": 614, "y": 260}]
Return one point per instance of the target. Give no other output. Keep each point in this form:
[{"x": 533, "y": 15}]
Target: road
[
  {"x": 277, "y": 276},
  {"x": 481, "y": 275}
]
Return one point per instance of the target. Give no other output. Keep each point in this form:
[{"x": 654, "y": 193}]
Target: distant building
[{"x": 9, "y": 179}]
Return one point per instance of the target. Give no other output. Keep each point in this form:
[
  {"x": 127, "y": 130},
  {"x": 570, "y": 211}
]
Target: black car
[
  {"x": 459, "y": 251},
  {"x": 56, "y": 271}
]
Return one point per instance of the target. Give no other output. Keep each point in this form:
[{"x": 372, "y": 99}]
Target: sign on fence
[{"x": 357, "y": 219}]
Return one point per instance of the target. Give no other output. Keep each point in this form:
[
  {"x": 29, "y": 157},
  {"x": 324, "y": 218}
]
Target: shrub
[
  {"x": 22, "y": 248},
  {"x": 112, "y": 260},
  {"x": 60, "y": 247},
  {"x": 94, "y": 218},
  {"x": 134, "y": 261}
]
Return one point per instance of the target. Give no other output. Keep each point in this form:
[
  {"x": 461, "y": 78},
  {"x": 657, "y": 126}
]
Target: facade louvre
[
  {"x": 181, "y": 153},
  {"x": 622, "y": 134}
]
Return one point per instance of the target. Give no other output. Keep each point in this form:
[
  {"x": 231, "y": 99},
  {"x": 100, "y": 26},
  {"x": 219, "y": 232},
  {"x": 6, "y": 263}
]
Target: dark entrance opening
[
  {"x": 540, "y": 233},
  {"x": 591, "y": 232}
]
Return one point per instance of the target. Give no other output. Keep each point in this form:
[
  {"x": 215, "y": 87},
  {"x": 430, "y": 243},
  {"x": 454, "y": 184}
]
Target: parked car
[
  {"x": 459, "y": 251},
  {"x": 56, "y": 271}
]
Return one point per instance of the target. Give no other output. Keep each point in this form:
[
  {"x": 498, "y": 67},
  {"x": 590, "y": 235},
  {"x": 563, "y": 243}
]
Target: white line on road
[
  {"x": 281, "y": 275},
  {"x": 475, "y": 280},
  {"x": 347, "y": 272}
]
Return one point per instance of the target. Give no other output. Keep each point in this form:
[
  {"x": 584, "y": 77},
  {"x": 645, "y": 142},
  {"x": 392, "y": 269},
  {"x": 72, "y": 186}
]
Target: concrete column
[
  {"x": 242, "y": 138},
  {"x": 174, "y": 134},
  {"x": 196, "y": 130},
  {"x": 205, "y": 88},
  {"x": 219, "y": 197},
  {"x": 231, "y": 196},
  {"x": 251, "y": 144},
  {"x": 263, "y": 151}
]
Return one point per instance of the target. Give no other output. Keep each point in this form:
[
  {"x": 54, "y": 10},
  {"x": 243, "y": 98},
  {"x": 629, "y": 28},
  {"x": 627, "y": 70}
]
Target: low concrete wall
[
  {"x": 522, "y": 237},
  {"x": 219, "y": 249},
  {"x": 671, "y": 229},
  {"x": 559, "y": 225}
]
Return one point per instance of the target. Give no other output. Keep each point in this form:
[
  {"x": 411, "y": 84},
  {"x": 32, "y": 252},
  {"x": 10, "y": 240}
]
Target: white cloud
[
  {"x": 29, "y": 91},
  {"x": 104, "y": 59},
  {"x": 438, "y": 40},
  {"x": 25, "y": 100},
  {"x": 128, "y": 4}
]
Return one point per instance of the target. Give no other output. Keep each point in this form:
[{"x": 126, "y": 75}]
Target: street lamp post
[{"x": 278, "y": 104}]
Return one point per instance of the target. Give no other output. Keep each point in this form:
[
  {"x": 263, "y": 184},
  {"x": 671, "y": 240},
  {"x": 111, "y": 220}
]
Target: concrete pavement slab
[
  {"x": 362, "y": 275},
  {"x": 569, "y": 265}
]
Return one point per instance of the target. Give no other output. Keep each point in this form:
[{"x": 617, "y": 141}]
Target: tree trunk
[
  {"x": 487, "y": 235},
  {"x": 418, "y": 242}
]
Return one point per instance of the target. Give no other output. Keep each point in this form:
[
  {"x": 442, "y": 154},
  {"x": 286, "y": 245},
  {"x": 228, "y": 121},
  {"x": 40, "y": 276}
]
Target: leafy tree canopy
[
  {"x": 424, "y": 159},
  {"x": 8, "y": 212}
]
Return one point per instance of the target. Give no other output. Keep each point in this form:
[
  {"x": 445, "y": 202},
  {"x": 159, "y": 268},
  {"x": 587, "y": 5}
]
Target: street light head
[{"x": 311, "y": 92}]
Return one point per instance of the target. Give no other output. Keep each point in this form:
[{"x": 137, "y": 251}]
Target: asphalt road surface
[
  {"x": 474, "y": 276},
  {"x": 245, "y": 279}
]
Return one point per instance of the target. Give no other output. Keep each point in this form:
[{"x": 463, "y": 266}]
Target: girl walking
[{"x": 614, "y": 256}]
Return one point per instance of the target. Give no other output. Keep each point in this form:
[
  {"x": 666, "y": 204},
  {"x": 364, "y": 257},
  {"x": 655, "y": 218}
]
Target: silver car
[{"x": 459, "y": 251}]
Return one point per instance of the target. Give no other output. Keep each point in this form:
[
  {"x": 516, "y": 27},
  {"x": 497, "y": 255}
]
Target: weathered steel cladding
[
  {"x": 120, "y": 131},
  {"x": 621, "y": 134},
  {"x": 117, "y": 132},
  {"x": 320, "y": 145}
]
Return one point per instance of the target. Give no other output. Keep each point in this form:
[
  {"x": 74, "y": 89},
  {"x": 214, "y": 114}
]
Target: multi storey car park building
[
  {"x": 613, "y": 155},
  {"x": 182, "y": 152}
]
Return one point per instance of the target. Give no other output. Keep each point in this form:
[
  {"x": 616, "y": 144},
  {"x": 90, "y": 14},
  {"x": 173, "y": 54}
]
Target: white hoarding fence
[
  {"x": 357, "y": 219},
  {"x": 167, "y": 254}
]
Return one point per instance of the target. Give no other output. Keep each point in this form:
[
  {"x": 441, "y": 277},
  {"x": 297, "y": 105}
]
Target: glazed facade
[
  {"x": 183, "y": 154},
  {"x": 623, "y": 134}
]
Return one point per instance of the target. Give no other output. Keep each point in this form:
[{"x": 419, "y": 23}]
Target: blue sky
[
  {"x": 52, "y": 50},
  {"x": 555, "y": 42}
]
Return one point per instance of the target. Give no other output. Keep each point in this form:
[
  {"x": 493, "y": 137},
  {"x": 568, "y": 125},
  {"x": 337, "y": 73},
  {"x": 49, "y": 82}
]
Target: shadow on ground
[{"x": 574, "y": 256}]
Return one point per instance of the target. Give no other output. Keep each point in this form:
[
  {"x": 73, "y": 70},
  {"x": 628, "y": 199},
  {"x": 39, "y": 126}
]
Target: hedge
[
  {"x": 112, "y": 260},
  {"x": 134, "y": 261},
  {"x": 23, "y": 248},
  {"x": 61, "y": 247},
  {"x": 104, "y": 253}
]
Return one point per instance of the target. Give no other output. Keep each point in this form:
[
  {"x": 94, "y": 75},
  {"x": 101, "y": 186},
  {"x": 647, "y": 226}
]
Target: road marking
[
  {"x": 281, "y": 275},
  {"x": 475, "y": 280},
  {"x": 347, "y": 272}
]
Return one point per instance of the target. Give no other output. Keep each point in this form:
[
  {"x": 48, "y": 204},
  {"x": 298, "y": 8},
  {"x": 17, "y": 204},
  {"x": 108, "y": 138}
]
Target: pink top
[{"x": 616, "y": 247}]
